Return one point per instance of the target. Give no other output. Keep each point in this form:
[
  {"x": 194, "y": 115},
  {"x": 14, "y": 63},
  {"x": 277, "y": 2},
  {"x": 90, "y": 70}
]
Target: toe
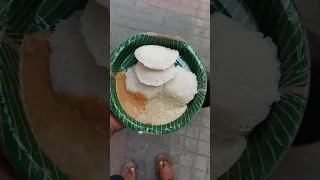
[
  {"x": 167, "y": 164},
  {"x": 132, "y": 171},
  {"x": 166, "y": 173},
  {"x": 128, "y": 171},
  {"x": 164, "y": 167},
  {"x": 125, "y": 172},
  {"x": 161, "y": 165}
]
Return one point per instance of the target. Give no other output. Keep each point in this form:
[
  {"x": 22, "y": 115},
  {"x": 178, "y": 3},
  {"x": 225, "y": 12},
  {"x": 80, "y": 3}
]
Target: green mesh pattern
[{"x": 269, "y": 141}]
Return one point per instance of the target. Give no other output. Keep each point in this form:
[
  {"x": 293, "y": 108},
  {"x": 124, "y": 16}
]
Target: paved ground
[
  {"x": 189, "y": 147},
  {"x": 131, "y": 17}
]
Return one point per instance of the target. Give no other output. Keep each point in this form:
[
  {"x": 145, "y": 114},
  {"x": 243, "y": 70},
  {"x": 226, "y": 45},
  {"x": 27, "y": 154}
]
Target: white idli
[
  {"x": 246, "y": 71},
  {"x": 183, "y": 85},
  {"x": 156, "y": 57},
  {"x": 133, "y": 84},
  {"x": 154, "y": 77},
  {"x": 95, "y": 29}
]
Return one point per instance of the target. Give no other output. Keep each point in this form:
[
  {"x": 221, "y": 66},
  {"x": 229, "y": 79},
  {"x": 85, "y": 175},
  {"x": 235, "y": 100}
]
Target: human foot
[
  {"x": 129, "y": 172},
  {"x": 164, "y": 168}
]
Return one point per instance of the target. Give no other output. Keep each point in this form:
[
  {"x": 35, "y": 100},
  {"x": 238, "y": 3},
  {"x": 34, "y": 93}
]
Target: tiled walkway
[
  {"x": 131, "y": 17},
  {"x": 189, "y": 148},
  {"x": 195, "y": 8}
]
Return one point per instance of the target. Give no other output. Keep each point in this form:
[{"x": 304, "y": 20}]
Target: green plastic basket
[
  {"x": 267, "y": 144},
  {"x": 123, "y": 58},
  {"x": 269, "y": 141}
]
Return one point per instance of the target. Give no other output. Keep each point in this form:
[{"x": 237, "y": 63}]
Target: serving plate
[{"x": 123, "y": 58}]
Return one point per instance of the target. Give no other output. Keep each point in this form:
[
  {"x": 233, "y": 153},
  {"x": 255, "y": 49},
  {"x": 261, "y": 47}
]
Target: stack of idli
[
  {"x": 245, "y": 69},
  {"x": 168, "y": 88}
]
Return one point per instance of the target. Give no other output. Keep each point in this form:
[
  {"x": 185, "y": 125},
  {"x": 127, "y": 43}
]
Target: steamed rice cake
[
  {"x": 156, "y": 57},
  {"x": 245, "y": 69},
  {"x": 155, "y": 70},
  {"x": 161, "y": 109},
  {"x": 154, "y": 77},
  {"x": 133, "y": 103},
  {"x": 133, "y": 84},
  {"x": 183, "y": 86}
]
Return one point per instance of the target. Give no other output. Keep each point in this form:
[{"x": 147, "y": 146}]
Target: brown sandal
[
  {"x": 128, "y": 166},
  {"x": 164, "y": 159}
]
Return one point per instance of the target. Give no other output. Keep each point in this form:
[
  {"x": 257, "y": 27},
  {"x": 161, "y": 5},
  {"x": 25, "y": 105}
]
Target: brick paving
[
  {"x": 131, "y": 17},
  {"x": 194, "y": 8},
  {"x": 189, "y": 148}
]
